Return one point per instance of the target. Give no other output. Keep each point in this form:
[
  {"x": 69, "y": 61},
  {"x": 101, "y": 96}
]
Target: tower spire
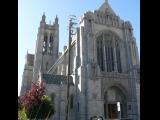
[
  {"x": 106, "y": 1},
  {"x": 43, "y": 17},
  {"x": 105, "y": 7},
  {"x": 56, "y": 19}
]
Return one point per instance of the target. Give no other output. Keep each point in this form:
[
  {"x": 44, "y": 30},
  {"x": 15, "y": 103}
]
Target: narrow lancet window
[
  {"x": 71, "y": 101},
  {"x": 100, "y": 53},
  {"x": 44, "y": 50},
  {"x": 51, "y": 44},
  {"x": 118, "y": 58},
  {"x": 46, "y": 65}
]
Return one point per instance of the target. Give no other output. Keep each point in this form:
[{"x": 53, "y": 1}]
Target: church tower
[
  {"x": 47, "y": 46},
  {"x": 27, "y": 73}
]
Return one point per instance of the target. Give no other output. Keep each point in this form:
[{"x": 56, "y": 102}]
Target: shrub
[{"x": 22, "y": 115}]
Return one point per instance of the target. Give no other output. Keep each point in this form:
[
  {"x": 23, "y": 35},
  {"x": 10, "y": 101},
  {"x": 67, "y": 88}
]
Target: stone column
[
  {"x": 121, "y": 58},
  {"x": 114, "y": 54},
  {"x": 82, "y": 47},
  {"x": 105, "y": 63}
]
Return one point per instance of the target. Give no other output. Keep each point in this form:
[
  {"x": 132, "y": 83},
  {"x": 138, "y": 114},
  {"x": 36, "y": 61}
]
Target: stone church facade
[{"x": 104, "y": 70}]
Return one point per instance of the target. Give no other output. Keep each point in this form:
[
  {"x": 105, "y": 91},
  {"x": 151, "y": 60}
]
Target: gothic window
[
  {"x": 78, "y": 106},
  {"x": 45, "y": 44},
  {"x": 52, "y": 96},
  {"x": 100, "y": 53},
  {"x": 105, "y": 51},
  {"x": 71, "y": 101},
  {"x": 107, "y": 54},
  {"x": 50, "y": 44},
  {"x": 129, "y": 107},
  {"x": 112, "y": 59},
  {"x": 118, "y": 57},
  {"x": 46, "y": 65}
]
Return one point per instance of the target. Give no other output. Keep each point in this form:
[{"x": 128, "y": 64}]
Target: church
[{"x": 104, "y": 67}]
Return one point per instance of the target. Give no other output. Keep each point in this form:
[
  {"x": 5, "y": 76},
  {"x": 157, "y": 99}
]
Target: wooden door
[{"x": 112, "y": 111}]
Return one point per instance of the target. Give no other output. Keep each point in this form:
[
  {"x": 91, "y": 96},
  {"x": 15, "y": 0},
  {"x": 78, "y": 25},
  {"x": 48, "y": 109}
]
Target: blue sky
[{"x": 30, "y": 13}]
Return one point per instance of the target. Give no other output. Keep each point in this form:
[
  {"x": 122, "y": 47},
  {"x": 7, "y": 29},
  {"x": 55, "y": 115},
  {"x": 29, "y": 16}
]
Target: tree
[
  {"x": 33, "y": 97},
  {"x": 36, "y": 103}
]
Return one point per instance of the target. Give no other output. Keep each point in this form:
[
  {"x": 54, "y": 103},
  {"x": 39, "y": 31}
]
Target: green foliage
[
  {"x": 22, "y": 115},
  {"x": 44, "y": 110},
  {"x": 46, "y": 98},
  {"x": 37, "y": 105}
]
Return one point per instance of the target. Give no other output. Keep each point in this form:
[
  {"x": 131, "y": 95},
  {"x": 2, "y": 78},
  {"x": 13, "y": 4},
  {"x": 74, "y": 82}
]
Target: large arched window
[{"x": 108, "y": 52}]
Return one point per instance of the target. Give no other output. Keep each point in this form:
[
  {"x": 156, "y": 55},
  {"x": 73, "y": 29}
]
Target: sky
[{"x": 31, "y": 11}]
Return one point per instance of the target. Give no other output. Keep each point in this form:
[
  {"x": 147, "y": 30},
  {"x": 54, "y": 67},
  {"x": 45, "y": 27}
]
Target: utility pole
[{"x": 71, "y": 23}]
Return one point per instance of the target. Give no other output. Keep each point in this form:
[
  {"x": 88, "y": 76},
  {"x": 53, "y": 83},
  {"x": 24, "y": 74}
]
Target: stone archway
[{"x": 115, "y": 103}]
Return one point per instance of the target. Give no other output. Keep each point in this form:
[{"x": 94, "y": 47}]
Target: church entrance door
[{"x": 112, "y": 111}]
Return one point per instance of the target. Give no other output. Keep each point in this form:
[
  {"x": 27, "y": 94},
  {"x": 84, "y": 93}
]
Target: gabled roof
[
  {"x": 105, "y": 7},
  {"x": 56, "y": 79}
]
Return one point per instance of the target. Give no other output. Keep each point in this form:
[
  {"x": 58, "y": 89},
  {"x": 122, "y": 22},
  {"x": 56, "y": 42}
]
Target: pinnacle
[{"x": 106, "y": 1}]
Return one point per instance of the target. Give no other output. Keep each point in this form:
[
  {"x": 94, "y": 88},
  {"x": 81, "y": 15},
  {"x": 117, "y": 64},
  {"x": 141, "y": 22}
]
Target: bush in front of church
[
  {"x": 22, "y": 115},
  {"x": 44, "y": 110},
  {"x": 37, "y": 105}
]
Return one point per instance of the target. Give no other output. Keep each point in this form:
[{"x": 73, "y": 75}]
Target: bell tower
[{"x": 47, "y": 46}]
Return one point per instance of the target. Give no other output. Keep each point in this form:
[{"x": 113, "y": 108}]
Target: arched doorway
[{"x": 115, "y": 103}]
